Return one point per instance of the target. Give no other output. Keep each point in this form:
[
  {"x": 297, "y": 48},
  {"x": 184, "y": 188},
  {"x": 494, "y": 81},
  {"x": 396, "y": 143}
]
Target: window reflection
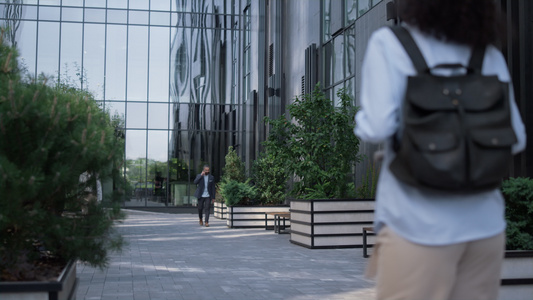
[
  {"x": 48, "y": 48},
  {"x": 136, "y": 115},
  {"x": 115, "y": 77},
  {"x": 93, "y": 59},
  {"x": 137, "y": 62},
  {"x": 71, "y": 41}
]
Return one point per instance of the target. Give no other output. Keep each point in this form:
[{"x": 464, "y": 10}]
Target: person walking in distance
[
  {"x": 434, "y": 243},
  {"x": 205, "y": 193}
]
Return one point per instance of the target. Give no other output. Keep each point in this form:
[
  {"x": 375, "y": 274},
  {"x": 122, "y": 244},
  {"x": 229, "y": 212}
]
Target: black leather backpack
[{"x": 457, "y": 133}]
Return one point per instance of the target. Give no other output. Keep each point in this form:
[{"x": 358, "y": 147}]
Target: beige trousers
[{"x": 406, "y": 270}]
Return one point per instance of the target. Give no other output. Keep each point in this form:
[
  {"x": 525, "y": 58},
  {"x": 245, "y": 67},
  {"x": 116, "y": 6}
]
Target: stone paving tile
[{"x": 169, "y": 256}]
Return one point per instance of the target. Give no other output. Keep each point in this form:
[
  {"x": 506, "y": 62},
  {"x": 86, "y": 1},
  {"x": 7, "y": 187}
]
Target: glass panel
[
  {"x": 72, "y": 14},
  {"x": 139, "y": 4},
  {"x": 115, "y": 84},
  {"x": 351, "y": 11},
  {"x": 326, "y": 19},
  {"x": 93, "y": 60},
  {"x": 160, "y": 18},
  {"x": 73, "y": 3},
  {"x": 350, "y": 51},
  {"x": 157, "y": 116},
  {"x": 137, "y": 63},
  {"x": 49, "y": 13},
  {"x": 94, "y": 15},
  {"x": 49, "y": 2},
  {"x": 160, "y": 5},
  {"x": 159, "y": 64},
  {"x": 29, "y": 12},
  {"x": 136, "y": 164},
  {"x": 138, "y": 17},
  {"x": 26, "y": 41},
  {"x": 94, "y": 3},
  {"x": 117, "y": 3},
  {"x": 157, "y": 166},
  {"x": 116, "y": 108},
  {"x": 136, "y": 115},
  {"x": 350, "y": 88},
  {"x": 336, "y": 100},
  {"x": 328, "y": 64},
  {"x": 338, "y": 58},
  {"x": 48, "y": 51},
  {"x": 117, "y": 16},
  {"x": 71, "y": 53},
  {"x": 363, "y": 6}
]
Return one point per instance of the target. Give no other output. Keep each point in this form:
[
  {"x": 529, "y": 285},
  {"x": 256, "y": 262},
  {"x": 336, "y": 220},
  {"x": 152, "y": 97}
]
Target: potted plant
[
  {"x": 318, "y": 148},
  {"x": 517, "y": 273},
  {"x": 57, "y": 148}
]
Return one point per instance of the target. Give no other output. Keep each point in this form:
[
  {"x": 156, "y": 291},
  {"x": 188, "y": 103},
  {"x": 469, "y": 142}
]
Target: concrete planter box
[
  {"x": 62, "y": 288},
  {"x": 220, "y": 210},
  {"x": 253, "y": 216},
  {"x": 517, "y": 275},
  {"x": 331, "y": 223}
]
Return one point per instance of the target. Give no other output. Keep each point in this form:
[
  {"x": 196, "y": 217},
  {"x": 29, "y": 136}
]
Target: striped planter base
[
  {"x": 220, "y": 210},
  {"x": 331, "y": 223},
  {"x": 517, "y": 276},
  {"x": 253, "y": 216}
]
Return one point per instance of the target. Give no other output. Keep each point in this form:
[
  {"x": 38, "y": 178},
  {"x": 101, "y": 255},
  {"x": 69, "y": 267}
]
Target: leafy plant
[
  {"x": 367, "y": 189},
  {"x": 233, "y": 168},
  {"x": 55, "y": 144},
  {"x": 237, "y": 193},
  {"x": 518, "y": 194},
  {"x": 270, "y": 178},
  {"x": 318, "y": 147}
]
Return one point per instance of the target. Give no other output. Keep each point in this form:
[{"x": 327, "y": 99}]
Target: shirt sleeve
[{"x": 377, "y": 120}]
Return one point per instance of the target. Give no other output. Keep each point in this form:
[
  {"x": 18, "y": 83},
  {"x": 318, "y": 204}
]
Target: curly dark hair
[{"x": 471, "y": 22}]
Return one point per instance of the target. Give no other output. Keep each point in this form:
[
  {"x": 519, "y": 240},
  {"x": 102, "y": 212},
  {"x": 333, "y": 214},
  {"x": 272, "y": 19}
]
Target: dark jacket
[{"x": 199, "y": 181}]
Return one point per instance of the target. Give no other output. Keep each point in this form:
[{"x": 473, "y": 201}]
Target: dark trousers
[{"x": 204, "y": 205}]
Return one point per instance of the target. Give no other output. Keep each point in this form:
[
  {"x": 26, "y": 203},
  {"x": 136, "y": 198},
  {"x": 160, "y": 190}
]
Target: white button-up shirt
[{"x": 418, "y": 216}]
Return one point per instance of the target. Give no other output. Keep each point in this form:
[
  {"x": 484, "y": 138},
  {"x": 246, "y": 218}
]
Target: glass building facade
[
  {"x": 193, "y": 77},
  {"x": 173, "y": 69}
]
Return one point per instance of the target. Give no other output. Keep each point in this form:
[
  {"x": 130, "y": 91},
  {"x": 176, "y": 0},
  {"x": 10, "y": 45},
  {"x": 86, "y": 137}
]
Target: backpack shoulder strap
[
  {"x": 411, "y": 48},
  {"x": 476, "y": 60}
]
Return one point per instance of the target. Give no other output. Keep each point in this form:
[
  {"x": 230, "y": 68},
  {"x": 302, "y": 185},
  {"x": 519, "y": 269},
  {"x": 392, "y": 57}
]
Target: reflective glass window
[
  {"x": 159, "y": 64},
  {"x": 71, "y": 41},
  {"x": 117, "y": 3},
  {"x": 29, "y": 12},
  {"x": 139, "y": 4},
  {"x": 326, "y": 20},
  {"x": 136, "y": 147},
  {"x": 117, "y": 16},
  {"x": 160, "y": 18},
  {"x": 73, "y": 2},
  {"x": 137, "y": 63},
  {"x": 93, "y": 59},
  {"x": 350, "y": 51},
  {"x": 136, "y": 115},
  {"x": 115, "y": 77},
  {"x": 47, "y": 13},
  {"x": 338, "y": 58},
  {"x": 138, "y": 17},
  {"x": 26, "y": 40},
  {"x": 94, "y": 3},
  {"x": 163, "y": 5},
  {"x": 72, "y": 14},
  {"x": 158, "y": 116},
  {"x": 351, "y": 11},
  {"x": 158, "y": 149},
  {"x": 116, "y": 108},
  {"x": 363, "y": 6},
  {"x": 48, "y": 48},
  {"x": 49, "y": 2},
  {"x": 95, "y": 15}
]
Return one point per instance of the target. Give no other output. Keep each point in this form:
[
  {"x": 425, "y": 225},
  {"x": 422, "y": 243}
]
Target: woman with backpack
[{"x": 435, "y": 241}]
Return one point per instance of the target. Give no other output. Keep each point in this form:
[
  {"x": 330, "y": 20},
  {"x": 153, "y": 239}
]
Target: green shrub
[
  {"x": 237, "y": 193},
  {"x": 270, "y": 179},
  {"x": 518, "y": 194},
  {"x": 319, "y": 147},
  {"x": 49, "y": 137},
  {"x": 233, "y": 168}
]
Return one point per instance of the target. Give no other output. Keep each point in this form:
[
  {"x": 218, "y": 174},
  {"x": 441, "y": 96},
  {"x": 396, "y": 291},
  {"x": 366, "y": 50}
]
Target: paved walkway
[{"x": 169, "y": 256}]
